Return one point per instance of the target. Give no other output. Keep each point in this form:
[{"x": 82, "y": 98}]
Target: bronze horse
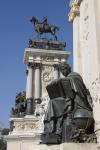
[{"x": 44, "y": 27}]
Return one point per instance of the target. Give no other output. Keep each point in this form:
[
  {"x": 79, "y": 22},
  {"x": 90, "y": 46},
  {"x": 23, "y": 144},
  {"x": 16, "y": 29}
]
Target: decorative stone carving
[
  {"x": 19, "y": 126},
  {"x": 31, "y": 125},
  {"x": 49, "y": 59},
  {"x": 46, "y": 77},
  {"x": 75, "y": 6},
  {"x": 40, "y": 112},
  {"x": 96, "y": 90},
  {"x": 25, "y": 125}
]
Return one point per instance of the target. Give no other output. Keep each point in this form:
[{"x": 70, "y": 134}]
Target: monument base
[
  {"x": 28, "y": 144},
  {"x": 25, "y": 131}
]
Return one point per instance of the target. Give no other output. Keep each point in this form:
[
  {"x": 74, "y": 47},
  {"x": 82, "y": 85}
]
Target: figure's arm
[{"x": 44, "y": 20}]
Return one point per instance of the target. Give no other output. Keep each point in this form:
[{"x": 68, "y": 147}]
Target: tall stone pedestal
[
  {"x": 85, "y": 15},
  {"x": 42, "y": 59}
]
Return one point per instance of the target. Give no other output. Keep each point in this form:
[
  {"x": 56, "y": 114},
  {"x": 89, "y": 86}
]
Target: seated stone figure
[{"x": 69, "y": 114}]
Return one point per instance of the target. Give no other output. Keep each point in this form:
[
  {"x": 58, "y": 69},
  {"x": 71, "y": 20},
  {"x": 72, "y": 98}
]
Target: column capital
[
  {"x": 75, "y": 9},
  {"x": 37, "y": 65},
  {"x": 30, "y": 64}
]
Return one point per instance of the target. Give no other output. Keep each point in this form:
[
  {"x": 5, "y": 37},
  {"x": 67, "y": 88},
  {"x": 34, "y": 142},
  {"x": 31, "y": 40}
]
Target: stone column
[
  {"x": 74, "y": 16},
  {"x": 37, "y": 82},
  {"x": 29, "y": 89},
  {"x": 56, "y": 71},
  {"x": 88, "y": 35}
]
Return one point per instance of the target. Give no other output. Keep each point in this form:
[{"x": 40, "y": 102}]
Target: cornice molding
[{"x": 75, "y": 9}]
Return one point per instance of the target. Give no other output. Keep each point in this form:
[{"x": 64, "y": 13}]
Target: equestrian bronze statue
[{"x": 44, "y": 27}]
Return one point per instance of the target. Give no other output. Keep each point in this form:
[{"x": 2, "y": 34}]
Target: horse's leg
[
  {"x": 54, "y": 36},
  {"x": 53, "y": 31},
  {"x": 39, "y": 35}
]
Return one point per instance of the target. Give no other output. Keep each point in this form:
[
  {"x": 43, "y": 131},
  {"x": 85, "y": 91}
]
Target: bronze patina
[
  {"x": 44, "y": 27},
  {"x": 69, "y": 115}
]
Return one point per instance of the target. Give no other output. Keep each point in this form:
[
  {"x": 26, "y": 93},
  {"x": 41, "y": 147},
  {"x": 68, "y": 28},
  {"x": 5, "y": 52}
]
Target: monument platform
[
  {"x": 68, "y": 146},
  {"x": 44, "y": 43},
  {"x": 49, "y": 56},
  {"x": 28, "y": 145}
]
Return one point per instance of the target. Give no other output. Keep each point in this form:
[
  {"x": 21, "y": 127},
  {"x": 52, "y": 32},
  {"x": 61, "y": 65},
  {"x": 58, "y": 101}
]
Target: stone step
[{"x": 66, "y": 146}]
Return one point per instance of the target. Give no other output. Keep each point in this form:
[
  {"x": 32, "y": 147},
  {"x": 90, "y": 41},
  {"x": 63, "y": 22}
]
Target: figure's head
[
  {"x": 33, "y": 19},
  {"x": 65, "y": 69}
]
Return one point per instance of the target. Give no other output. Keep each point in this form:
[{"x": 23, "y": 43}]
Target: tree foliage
[
  {"x": 3, "y": 144},
  {"x": 20, "y": 97},
  {"x": 5, "y": 131}
]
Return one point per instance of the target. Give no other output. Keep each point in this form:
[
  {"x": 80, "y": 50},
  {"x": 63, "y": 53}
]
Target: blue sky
[{"x": 15, "y": 31}]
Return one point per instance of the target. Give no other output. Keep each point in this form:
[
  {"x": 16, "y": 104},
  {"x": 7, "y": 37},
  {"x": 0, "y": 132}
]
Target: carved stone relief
[
  {"x": 49, "y": 59},
  {"x": 19, "y": 126},
  {"x": 47, "y": 76},
  {"x": 96, "y": 90},
  {"x": 40, "y": 110},
  {"x": 25, "y": 125},
  {"x": 75, "y": 9}
]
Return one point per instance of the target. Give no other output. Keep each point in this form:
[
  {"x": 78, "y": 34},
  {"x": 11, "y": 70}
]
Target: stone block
[{"x": 29, "y": 145}]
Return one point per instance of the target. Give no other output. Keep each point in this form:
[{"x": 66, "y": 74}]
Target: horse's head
[{"x": 33, "y": 20}]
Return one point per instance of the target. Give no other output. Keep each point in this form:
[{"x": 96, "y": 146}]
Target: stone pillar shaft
[
  {"x": 56, "y": 71},
  {"x": 37, "y": 81},
  {"x": 29, "y": 84},
  {"x": 29, "y": 90}
]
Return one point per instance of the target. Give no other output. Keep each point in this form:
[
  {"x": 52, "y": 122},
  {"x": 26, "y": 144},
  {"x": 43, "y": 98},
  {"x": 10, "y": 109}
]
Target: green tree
[
  {"x": 5, "y": 131},
  {"x": 3, "y": 144},
  {"x": 21, "y": 96}
]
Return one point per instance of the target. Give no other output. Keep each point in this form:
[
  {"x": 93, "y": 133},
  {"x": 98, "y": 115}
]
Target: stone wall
[{"x": 86, "y": 51}]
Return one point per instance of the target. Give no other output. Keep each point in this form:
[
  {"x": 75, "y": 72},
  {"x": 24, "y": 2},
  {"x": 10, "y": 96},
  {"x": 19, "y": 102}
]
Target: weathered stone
[{"x": 86, "y": 51}]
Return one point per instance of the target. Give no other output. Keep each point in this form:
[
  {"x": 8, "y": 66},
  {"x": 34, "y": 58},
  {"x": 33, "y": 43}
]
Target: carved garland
[
  {"x": 20, "y": 126},
  {"x": 75, "y": 9},
  {"x": 47, "y": 74}
]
